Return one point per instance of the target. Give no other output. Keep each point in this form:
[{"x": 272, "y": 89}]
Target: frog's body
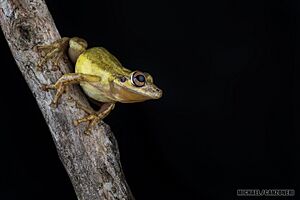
[
  {"x": 102, "y": 64},
  {"x": 101, "y": 76}
]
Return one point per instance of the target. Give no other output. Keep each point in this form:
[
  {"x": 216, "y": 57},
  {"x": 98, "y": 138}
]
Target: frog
[{"x": 100, "y": 75}]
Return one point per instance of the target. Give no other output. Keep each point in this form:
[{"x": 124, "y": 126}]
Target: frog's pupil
[{"x": 140, "y": 78}]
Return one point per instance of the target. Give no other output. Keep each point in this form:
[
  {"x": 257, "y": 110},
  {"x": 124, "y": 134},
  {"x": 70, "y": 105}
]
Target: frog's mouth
[{"x": 127, "y": 95}]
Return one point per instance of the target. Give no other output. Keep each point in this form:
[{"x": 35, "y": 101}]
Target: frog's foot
[
  {"x": 94, "y": 117},
  {"x": 60, "y": 90},
  {"x": 53, "y": 52}
]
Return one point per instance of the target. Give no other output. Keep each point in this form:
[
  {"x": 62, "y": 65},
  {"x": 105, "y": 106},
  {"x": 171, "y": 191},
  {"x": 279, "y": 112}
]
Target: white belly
[{"x": 95, "y": 93}]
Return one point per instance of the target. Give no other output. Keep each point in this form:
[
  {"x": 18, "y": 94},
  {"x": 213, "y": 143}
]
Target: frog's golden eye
[{"x": 138, "y": 79}]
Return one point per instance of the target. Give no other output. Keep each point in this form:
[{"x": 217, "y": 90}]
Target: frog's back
[{"x": 98, "y": 61}]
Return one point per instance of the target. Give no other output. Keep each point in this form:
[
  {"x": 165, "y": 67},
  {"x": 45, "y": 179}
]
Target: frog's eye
[{"x": 138, "y": 79}]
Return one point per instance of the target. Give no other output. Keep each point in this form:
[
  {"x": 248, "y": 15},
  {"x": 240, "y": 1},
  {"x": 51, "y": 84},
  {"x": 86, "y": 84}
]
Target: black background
[{"x": 226, "y": 120}]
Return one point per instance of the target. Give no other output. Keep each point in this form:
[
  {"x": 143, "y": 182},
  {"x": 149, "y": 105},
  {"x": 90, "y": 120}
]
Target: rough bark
[{"x": 91, "y": 161}]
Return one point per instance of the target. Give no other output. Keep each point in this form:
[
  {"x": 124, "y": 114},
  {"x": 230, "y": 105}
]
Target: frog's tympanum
[{"x": 101, "y": 76}]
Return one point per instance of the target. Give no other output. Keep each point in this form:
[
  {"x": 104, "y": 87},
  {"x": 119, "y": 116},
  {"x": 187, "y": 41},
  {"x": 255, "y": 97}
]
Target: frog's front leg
[
  {"x": 94, "y": 117},
  {"x": 68, "y": 79}
]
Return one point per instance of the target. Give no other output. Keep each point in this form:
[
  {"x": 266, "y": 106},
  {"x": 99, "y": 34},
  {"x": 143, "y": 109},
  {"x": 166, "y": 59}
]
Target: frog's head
[{"x": 134, "y": 87}]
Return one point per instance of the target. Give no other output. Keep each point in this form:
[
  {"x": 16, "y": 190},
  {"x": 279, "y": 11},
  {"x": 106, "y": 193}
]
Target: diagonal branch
[{"x": 92, "y": 162}]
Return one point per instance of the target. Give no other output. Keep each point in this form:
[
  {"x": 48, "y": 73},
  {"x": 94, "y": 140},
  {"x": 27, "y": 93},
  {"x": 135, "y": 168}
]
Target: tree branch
[{"x": 92, "y": 161}]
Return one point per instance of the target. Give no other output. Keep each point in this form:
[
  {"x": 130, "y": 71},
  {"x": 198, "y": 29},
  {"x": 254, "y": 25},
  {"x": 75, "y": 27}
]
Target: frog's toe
[
  {"x": 88, "y": 131},
  {"x": 40, "y": 64},
  {"x": 53, "y": 104},
  {"x": 92, "y": 121},
  {"x": 75, "y": 122},
  {"x": 88, "y": 118},
  {"x": 46, "y": 87},
  {"x": 55, "y": 67}
]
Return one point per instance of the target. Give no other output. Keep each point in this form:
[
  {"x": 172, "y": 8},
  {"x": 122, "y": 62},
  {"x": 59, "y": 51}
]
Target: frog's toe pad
[
  {"x": 75, "y": 122},
  {"x": 88, "y": 131},
  {"x": 53, "y": 104}
]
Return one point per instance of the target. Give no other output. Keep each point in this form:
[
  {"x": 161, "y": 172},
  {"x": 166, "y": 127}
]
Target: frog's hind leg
[
  {"x": 76, "y": 47},
  {"x": 94, "y": 117},
  {"x": 54, "y": 52},
  {"x": 72, "y": 47},
  {"x": 68, "y": 79}
]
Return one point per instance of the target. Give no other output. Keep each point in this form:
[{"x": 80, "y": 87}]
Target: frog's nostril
[{"x": 159, "y": 93}]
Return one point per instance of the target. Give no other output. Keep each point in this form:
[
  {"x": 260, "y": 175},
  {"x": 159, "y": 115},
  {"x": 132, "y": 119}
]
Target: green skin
[{"x": 101, "y": 76}]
